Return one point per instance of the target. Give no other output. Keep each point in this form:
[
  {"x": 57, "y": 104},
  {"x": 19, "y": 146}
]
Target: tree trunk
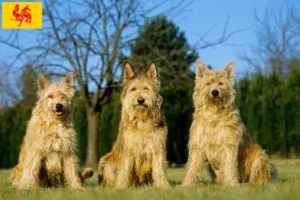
[{"x": 92, "y": 146}]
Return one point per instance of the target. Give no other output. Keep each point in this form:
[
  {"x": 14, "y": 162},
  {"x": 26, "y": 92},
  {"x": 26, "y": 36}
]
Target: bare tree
[
  {"x": 9, "y": 95},
  {"x": 88, "y": 37},
  {"x": 276, "y": 40}
]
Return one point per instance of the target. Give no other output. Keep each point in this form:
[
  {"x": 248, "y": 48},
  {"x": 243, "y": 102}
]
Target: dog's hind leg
[
  {"x": 110, "y": 174},
  {"x": 17, "y": 171},
  {"x": 16, "y": 174},
  {"x": 101, "y": 167}
]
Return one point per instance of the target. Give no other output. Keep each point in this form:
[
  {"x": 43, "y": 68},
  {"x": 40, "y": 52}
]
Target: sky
[
  {"x": 205, "y": 14},
  {"x": 197, "y": 20}
]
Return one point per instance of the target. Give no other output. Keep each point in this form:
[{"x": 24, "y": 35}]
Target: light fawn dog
[
  {"x": 219, "y": 136},
  {"x": 139, "y": 153},
  {"x": 47, "y": 155}
]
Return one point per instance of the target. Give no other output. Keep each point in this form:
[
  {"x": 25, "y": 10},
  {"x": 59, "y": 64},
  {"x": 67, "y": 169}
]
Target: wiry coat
[
  {"x": 217, "y": 134},
  {"x": 139, "y": 153},
  {"x": 47, "y": 156}
]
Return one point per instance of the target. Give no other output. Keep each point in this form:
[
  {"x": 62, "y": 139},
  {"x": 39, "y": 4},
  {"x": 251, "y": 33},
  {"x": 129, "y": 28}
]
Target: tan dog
[
  {"x": 139, "y": 153},
  {"x": 47, "y": 155},
  {"x": 218, "y": 135}
]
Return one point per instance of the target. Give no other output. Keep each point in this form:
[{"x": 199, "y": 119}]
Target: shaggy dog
[
  {"x": 47, "y": 155},
  {"x": 219, "y": 136},
  {"x": 139, "y": 153}
]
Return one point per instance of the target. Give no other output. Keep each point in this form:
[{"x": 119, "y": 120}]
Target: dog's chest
[
  {"x": 209, "y": 134},
  {"x": 53, "y": 163},
  {"x": 58, "y": 139},
  {"x": 140, "y": 143},
  {"x": 217, "y": 137},
  {"x": 211, "y": 138}
]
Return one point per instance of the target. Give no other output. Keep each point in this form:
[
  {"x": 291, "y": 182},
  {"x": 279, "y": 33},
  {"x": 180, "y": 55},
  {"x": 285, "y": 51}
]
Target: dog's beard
[
  {"x": 220, "y": 101},
  {"x": 140, "y": 106},
  {"x": 138, "y": 111},
  {"x": 216, "y": 99}
]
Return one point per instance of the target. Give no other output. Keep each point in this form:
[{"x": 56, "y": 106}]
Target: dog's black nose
[
  {"x": 215, "y": 93},
  {"x": 140, "y": 100},
  {"x": 59, "y": 106}
]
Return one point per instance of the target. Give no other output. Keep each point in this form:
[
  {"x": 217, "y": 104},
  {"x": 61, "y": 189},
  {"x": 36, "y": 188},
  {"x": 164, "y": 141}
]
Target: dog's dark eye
[
  {"x": 220, "y": 83},
  {"x": 133, "y": 89},
  {"x": 145, "y": 88},
  {"x": 50, "y": 96}
]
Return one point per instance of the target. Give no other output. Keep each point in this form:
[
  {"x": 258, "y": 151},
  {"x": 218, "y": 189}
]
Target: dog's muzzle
[
  {"x": 59, "y": 109},
  {"x": 140, "y": 100}
]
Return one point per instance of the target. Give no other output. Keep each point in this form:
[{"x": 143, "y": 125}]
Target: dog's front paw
[
  {"x": 76, "y": 185},
  {"x": 163, "y": 185},
  {"x": 27, "y": 185},
  {"x": 121, "y": 186},
  {"x": 230, "y": 184},
  {"x": 187, "y": 185}
]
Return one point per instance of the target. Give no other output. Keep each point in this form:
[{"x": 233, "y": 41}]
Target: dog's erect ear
[
  {"x": 43, "y": 82},
  {"x": 69, "y": 80},
  {"x": 230, "y": 69},
  {"x": 200, "y": 68},
  {"x": 152, "y": 71},
  {"x": 128, "y": 72}
]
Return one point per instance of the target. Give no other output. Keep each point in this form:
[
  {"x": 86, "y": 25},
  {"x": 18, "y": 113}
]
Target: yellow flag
[{"x": 22, "y": 15}]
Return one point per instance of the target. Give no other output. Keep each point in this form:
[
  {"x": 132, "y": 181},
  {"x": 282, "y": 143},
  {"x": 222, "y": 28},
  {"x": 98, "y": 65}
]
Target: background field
[{"x": 287, "y": 188}]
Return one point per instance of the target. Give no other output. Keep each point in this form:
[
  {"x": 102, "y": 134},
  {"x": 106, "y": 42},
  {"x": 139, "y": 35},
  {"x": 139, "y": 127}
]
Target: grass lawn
[{"x": 287, "y": 188}]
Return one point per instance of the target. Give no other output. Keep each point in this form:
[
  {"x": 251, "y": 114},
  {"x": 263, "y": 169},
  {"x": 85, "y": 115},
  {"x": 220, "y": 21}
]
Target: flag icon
[{"x": 22, "y": 15}]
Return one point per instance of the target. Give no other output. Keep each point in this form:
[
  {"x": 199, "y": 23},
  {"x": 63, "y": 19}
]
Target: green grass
[{"x": 287, "y": 188}]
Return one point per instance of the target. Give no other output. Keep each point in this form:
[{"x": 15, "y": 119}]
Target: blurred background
[{"x": 93, "y": 38}]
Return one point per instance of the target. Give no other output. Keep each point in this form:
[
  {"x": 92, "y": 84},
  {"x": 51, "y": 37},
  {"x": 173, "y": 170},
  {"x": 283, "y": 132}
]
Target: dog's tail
[
  {"x": 274, "y": 173},
  {"x": 260, "y": 169},
  {"x": 85, "y": 174}
]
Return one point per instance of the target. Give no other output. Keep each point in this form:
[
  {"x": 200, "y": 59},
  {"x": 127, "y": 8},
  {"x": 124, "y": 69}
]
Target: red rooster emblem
[{"x": 25, "y": 14}]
